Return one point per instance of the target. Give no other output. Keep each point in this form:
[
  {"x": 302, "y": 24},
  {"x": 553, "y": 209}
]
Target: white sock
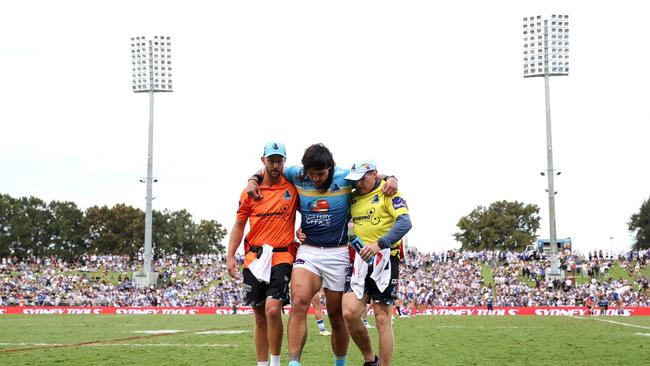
[
  {"x": 262, "y": 363},
  {"x": 275, "y": 360}
]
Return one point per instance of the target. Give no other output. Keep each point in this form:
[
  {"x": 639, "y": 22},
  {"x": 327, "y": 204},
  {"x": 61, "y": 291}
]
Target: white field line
[
  {"x": 479, "y": 327},
  {"x": 223, "y": 332},
  {"x": 613, "y": 322},
  {"x": 174, "y": 331},
  {"x": 203, "y": 345},
  {"x": 159, "y": 331},
  {"x": 127, "y": 344},
  {"x": 32, "y": 344}
]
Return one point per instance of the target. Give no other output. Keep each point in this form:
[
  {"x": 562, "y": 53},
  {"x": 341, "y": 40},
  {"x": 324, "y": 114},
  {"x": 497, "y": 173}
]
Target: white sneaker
[
  {"x": 325, "y": 332},
  {"x": 369, "y": 326}
]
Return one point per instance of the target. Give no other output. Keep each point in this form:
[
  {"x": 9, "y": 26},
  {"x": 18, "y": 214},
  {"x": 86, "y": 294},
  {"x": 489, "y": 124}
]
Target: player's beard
[{"x": 274, "y": 173}]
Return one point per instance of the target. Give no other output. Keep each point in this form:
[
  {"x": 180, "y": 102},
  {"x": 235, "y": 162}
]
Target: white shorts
[{"x": 330, "y": 264}]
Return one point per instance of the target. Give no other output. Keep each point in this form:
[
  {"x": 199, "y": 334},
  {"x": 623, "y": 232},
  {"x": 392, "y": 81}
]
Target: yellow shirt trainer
[{"x": 373, "y": 214}]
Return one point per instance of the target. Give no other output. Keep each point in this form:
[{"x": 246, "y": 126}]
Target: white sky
[{"x": 433, "y": 91}]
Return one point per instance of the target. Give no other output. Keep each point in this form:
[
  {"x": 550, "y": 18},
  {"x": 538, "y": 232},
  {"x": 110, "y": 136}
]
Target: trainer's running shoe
[
  {"x": 325, "y": 332},
  {"x": 373, "y": 363}
]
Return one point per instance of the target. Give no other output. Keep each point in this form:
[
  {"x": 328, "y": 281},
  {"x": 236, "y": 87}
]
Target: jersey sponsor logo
[
  {"x": 283, "y": 212},
  {"x": 319, "y": 220},
  {"x": 320, "y": 205},
  {"x": 375, "y": 199},
  {"x": 398, "y": 202},
  {"x": 369, "y": 216},
  {"x": 287, "y": 195}
]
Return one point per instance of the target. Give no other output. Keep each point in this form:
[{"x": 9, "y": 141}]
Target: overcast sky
[{"x": 432, "y": 91}]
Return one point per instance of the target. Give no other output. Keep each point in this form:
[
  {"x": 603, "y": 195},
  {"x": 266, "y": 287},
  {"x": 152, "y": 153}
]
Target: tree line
[
  {"x": 508, "y": 225},
  {"x": 30, "y": 226}
]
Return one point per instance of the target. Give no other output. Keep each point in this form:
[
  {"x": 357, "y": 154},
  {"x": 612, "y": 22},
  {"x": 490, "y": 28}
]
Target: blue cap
[
  {"x": 359, "y": 169},
  {"x": 274, "y": 148}
]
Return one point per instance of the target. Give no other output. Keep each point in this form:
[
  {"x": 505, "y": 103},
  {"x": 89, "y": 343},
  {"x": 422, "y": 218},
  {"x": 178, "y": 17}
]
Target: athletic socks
[
  {"x": 338, "y": 360},
  {"x": 321, "y": 324},
  {"x": 275, "y": 361},
  {"x": 262, "y": 363}
]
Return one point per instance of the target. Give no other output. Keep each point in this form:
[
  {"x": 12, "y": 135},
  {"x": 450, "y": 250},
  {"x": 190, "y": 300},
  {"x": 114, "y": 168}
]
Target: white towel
[
  {"x": 381, "y": 271},
  {"x": 358, "y": 277},
  {"x": 261, "y": 267}
]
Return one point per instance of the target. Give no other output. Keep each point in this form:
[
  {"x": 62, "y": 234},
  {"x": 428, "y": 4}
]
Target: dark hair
[{"x": 318, "y": 157}]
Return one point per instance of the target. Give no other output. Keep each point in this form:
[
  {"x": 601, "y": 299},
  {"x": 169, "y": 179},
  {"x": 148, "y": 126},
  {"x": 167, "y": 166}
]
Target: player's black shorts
[
  {"x": 256, "y": 292},
  {"x": 390, "y": 293}
]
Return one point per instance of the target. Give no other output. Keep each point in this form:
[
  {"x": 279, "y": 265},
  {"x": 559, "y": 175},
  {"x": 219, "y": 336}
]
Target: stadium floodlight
[
  {"x": 546, "y": 54},
  {"x": 151, "y": 66}
]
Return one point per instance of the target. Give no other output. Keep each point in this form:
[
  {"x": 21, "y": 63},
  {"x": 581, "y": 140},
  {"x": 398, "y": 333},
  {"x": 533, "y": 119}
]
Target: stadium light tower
[
  {"x": 152, "y": 73},
  {"x": 546, "y": 54}
]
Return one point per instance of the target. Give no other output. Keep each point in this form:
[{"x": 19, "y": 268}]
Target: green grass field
[{"x": 423, "y": 340}]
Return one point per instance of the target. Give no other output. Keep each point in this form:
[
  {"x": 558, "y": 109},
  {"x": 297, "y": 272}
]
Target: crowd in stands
[
  {"x": 450, "y": 278},
  {"x": 200, "y": 280}
]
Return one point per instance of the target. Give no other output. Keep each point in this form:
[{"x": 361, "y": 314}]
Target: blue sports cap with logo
[
  {"x": 274, "y": 148},
  {"x": 359, "y": 169}
]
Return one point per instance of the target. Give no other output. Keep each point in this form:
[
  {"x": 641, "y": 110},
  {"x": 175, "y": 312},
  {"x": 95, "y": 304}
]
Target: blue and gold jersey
[
  {"x": 324, "y": 214},
  {"x": 374, "y": 213}
]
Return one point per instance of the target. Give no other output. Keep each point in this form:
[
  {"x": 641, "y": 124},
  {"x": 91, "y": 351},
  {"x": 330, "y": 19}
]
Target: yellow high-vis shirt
[{"x": 373, "y": 214}]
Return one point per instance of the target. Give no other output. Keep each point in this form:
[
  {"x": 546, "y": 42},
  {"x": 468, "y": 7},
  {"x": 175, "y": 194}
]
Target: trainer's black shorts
[
  {"x": 390, "y": 293},
  {"x": 256, "y": 292}
]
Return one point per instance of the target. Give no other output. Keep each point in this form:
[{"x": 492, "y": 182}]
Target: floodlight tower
[
  {"x": 152, "y": 73},
  {"x": 546, "y": 54}
]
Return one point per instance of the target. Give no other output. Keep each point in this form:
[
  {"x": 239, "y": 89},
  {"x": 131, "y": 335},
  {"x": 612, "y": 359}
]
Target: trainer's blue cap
[
  {"x": 359, "y": 169},
  {"x": 274, "y": 148}
]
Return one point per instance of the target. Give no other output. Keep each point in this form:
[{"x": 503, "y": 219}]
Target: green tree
[
  {"x": 504, "y": 225},
  {"x": 176, "y": 232},
  {"x": 640, "y": 223},
  {"x": 66, "y": 230},
  {"x": 28, "y": 233},
  {"x": 30, "y": 227},
  {"x": 116, "y": 230},
  {"x": 7, "y": 204},
  {"x": 162, "y": 240},
  {"x": 182, "y": 232},
  {"x": 209, "y": 235}
]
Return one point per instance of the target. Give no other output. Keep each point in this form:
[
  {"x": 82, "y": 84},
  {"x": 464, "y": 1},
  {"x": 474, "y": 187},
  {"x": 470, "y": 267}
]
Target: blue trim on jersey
[{"x": 324, "y": 214}]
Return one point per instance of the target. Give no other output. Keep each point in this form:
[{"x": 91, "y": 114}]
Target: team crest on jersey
[
  {"x": 335, "y": 188},
  {"x": 375, "y": 199},
  {"x": 287, "y": 195},
  {"x": 398, "y": 202},
  {"x": 320, "y": 205}
]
